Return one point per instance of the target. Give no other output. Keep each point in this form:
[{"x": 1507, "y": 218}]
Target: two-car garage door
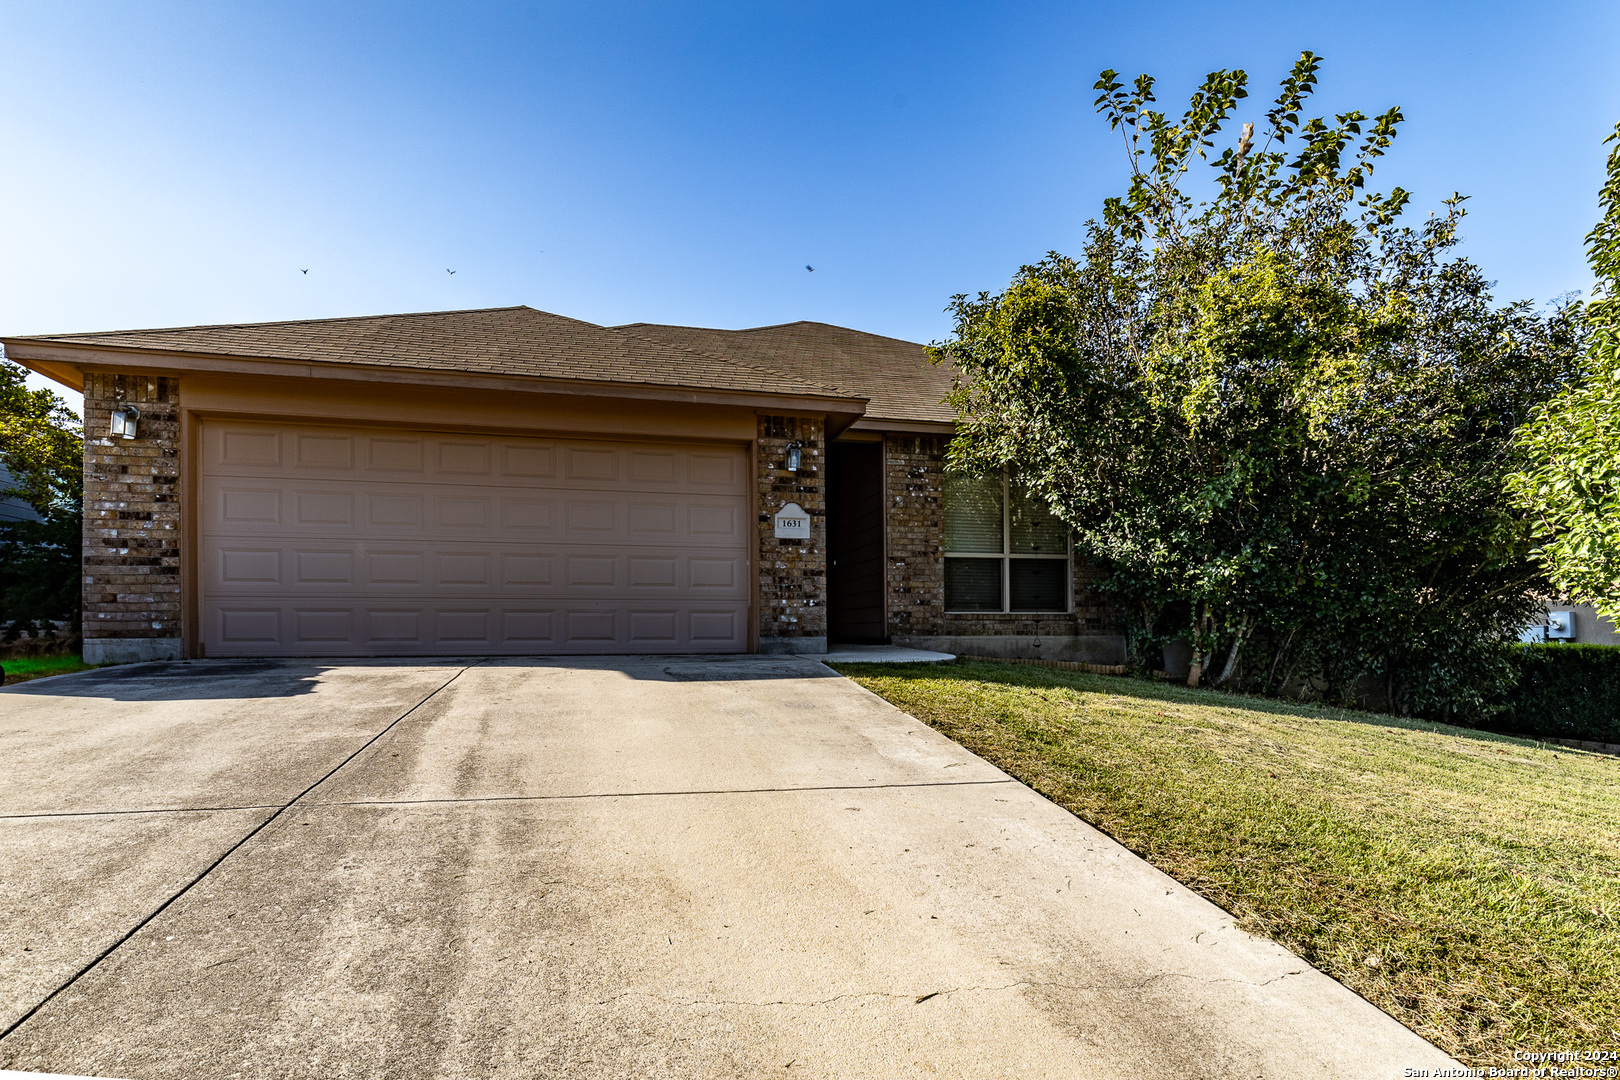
[{"x": 324, "y": 541}]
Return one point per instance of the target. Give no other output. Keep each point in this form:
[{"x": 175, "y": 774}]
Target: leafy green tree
[
  {"x": 1278, "y": 420},
  {"x": 1571, "y": 479},
  {"x": 41, "y": 447}
]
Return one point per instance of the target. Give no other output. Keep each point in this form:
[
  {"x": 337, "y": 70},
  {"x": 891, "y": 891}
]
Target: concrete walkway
[
  {"x": 593, "y": 868},
  {"x": 881, "y": 654}
]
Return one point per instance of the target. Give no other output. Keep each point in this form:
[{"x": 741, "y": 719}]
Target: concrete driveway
[{"x": 624, "y": 867}]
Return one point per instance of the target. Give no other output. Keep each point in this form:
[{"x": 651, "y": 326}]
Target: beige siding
[{"x": 354, "y": 541}]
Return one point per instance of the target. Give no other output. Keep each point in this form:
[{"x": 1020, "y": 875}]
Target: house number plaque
[{"x": 792, "y": 523}]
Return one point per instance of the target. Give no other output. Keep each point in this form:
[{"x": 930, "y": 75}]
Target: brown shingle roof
[
  {"x": 895, "y": 375},
  {"x": 501, "y": 341}
]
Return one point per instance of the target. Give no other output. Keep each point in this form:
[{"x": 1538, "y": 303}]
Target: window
[{"x": 1004, "y": 551}]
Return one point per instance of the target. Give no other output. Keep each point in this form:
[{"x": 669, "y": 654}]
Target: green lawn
[
  {"x": 1466, "y": 883},
  {"x": 21, "y": 670}
]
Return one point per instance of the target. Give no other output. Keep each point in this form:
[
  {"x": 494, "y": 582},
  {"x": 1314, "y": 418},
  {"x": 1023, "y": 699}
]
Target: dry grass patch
[{"x": 1466, "y": 883}]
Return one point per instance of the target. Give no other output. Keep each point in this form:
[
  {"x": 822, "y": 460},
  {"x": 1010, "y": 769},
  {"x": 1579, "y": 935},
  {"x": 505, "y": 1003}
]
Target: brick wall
[
  {"x": 131, "y": 521},
  {"x": 915, "y": 522},
  {"x": 792, "y": 573}
]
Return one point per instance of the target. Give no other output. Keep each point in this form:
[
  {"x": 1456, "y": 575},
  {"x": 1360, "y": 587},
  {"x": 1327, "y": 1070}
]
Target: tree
[
  {"x": 1277, "y": 420},
  {"x": 41, "y": 447},
  {"x": 1571, "y": 478}
]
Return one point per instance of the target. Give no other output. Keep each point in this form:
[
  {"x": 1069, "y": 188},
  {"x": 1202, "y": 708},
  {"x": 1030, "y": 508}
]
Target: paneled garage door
[{"x": 319, "y": 541}]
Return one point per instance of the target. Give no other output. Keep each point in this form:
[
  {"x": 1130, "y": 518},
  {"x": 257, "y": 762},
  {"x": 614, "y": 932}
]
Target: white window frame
[{"x": 1007, "y": 555}]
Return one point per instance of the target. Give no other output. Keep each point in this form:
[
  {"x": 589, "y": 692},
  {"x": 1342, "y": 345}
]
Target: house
[
  {"x": 13, "y": 509},
  {"x": 508, "y": 481},
  {"x": 1563, "y": 620}
]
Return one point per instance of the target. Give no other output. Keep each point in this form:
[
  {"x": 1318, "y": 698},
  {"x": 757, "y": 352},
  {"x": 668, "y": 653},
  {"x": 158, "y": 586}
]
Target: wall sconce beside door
[
  {"x": 793, "y": 457},
  {"x": 124, "y": 422}
]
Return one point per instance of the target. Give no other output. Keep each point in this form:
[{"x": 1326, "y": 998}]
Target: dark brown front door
[{"x": 855, "y": 543}]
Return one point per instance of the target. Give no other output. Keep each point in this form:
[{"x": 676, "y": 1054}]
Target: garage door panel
[
  {"x": 316, "y": 453},
  {"x": 250, "y": 566},
  {"x": 248, "y": 447},
  {"x": 248, "y": 508},
  {"x": 457, "y": 514},
  {"x": 464, "y": 568},
  {"x": 335, "y": 508},
  {"x": 395, "y": 455},
  {"x": 460, "y": 629},
  {"x": 323, "y": 541},
  {"x": 354, "y": 571},
  {"x": 715, "y": 574},
  {"x": 323, "y": 626},
  {"x": 325, "y": 568},
  {"x": 652, "y": 572},
  {"x": 249, "y": 626},
  {"x": 653, "y": 467},
  {"x": 658, "y": 522},
  {"x": 591, "y": 518},
  {"x": 717, "y": 628},
  {"x": 592, "y": 463},
  {"x": 461, "y": 458},
  {"x": 323, "y": 451},
  {"x": 523, "y": 569},
  {"x": 529, "y": 628},
  {"x": 529, "y": 460},
  {"x": 714, "y": 522},
  {"x": 528, "y": 517},
  {"x": 395, "y": 511},
  {"x": 715, "y": 471},
  {"x": 396, "y": 568}
]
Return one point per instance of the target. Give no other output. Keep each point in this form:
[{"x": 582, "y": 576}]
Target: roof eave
[
  {"x": 67, "y": 362},
  {"x": 869, "y": 422}
]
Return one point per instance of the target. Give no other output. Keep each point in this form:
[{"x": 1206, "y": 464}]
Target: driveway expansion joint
[
  {"x": 147, "y": 810},
  {"x": 237, "y": 846},
  {"x": 655, "y": 794}
]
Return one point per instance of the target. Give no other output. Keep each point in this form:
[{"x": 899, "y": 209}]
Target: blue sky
[{"x": 175, "y": 163}]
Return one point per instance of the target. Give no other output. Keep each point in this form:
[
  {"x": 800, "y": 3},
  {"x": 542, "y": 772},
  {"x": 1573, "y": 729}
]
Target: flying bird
[
  {"x": 810, "y": 268},
  {"x": 449, "y": 271},
  {"x": 303, "y": 271}
]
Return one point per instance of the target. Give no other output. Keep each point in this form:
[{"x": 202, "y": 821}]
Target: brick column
[
  {"x": 131, "y": 522},
  {"x": 792, "y": 573},
  {"x": 915, "y": 521}
]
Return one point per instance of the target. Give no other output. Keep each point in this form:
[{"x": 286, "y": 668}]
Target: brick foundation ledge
[
  {"x": 778, "y": 646},
  {"x": 121, "y": 650}
]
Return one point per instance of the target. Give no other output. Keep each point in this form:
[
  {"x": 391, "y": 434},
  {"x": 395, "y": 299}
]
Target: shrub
[{"x": 1565, "y": 692}]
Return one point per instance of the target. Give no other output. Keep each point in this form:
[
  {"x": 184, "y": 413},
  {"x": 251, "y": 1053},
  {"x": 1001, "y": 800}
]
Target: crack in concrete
[
  {"x": 473, "y": 799},
  {"x": 919, "y": 999}
]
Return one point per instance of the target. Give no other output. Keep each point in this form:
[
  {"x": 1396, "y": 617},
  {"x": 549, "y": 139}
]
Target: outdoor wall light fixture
[
  {"x": 793, "y": 457},
  {"x": 124, "y": 421}
]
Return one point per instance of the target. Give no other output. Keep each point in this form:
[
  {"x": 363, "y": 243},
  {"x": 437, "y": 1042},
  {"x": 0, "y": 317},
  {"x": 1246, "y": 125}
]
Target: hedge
[{"x": 1565, "y": 691}]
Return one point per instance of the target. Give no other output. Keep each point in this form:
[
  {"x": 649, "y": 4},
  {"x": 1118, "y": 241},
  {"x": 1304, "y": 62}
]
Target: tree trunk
[
  {"x": 1269, "y": 687},
  {"x": 1200, "y": 630},
  {"x": 1237, "y": 647}
]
